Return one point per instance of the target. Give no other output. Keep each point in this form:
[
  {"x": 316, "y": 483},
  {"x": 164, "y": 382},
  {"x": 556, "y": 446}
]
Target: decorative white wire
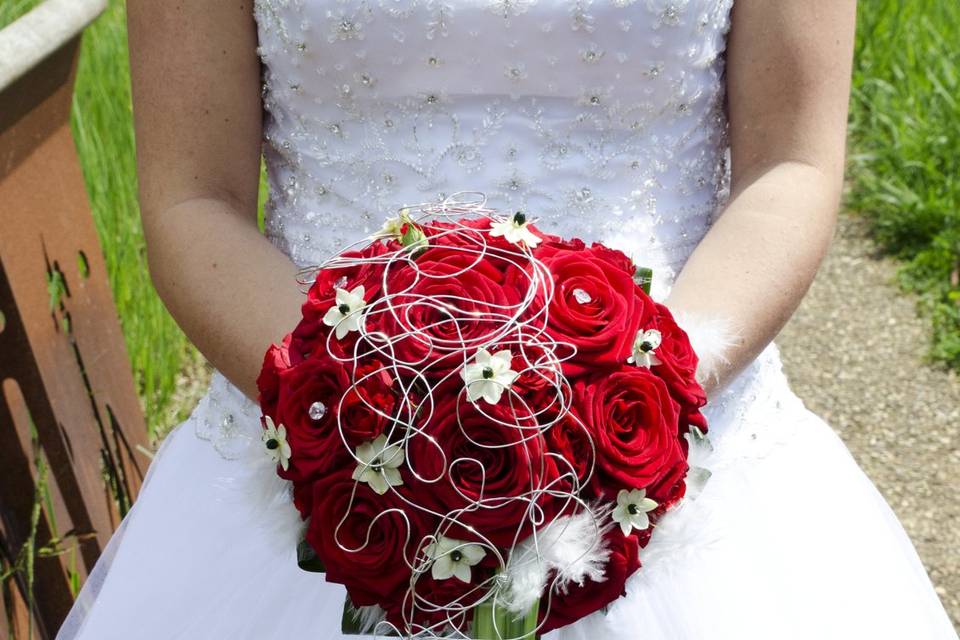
[{"x": 568, "y": 547}]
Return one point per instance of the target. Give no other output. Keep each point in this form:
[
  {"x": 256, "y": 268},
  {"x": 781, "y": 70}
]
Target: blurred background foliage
[
  {"x": 903, "y": 178},
  {"x": 904, "y": 167}
]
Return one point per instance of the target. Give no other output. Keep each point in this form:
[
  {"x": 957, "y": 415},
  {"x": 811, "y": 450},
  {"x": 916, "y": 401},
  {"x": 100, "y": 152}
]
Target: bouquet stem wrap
[{"x": 491, "y": 622}]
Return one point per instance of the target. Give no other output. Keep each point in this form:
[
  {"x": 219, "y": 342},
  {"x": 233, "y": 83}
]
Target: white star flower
[
  {"x": 275, "y": 440},
  {"x": 644, "y": 348},
  {"x": 489, "y": 376},
  {"x": 515, "y": 230},
  {"x": 454, "y": 558},
  {"x": 345, "y": 314},
  {"x": 393, "y": 227},
  {"x": 378, "y": 464},
  {"x": 631, "y": 510}
]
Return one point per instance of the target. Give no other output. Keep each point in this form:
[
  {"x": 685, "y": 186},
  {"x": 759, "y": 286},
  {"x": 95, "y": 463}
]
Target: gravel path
[{"x": 854, "y": 352}]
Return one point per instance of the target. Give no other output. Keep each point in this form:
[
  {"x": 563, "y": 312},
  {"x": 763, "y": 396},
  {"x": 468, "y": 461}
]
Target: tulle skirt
[{"x": 787, "y": 539}]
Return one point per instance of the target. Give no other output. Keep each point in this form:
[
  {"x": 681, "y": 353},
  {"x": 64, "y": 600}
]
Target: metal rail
[{"x": 30, "y": 39}]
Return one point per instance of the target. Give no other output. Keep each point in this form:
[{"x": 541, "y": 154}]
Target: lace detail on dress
[
  {"x": 759, "y": 393},
  {"x": 603, "y": 118},
  {"x": 228, "y": 419}
]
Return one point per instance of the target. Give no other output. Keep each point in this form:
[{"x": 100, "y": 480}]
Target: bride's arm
[
  {"x": 788, "y": 82},
  {"x": 196, "y": 92}
]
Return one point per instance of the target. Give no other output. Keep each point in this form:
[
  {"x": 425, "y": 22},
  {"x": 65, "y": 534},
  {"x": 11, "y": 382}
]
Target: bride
[{"x": 703, "y": 139}]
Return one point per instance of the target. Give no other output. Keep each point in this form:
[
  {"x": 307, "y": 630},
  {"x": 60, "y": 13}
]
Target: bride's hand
[{"x": 788, "y": 83}]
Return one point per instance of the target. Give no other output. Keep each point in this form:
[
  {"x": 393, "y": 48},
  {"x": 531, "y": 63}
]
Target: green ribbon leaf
[
  {"x": 307, "y": 558},
  {"x": 413, "y": 238},
  {"x": 491, "y": 623},
  {"x": 644, "y": 277}
]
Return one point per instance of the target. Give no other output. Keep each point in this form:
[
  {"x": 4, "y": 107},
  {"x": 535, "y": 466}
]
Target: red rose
[
  {"x": 434, "y": 598},
  {"x": 311, "y": 333},
  {"x": 315, "y": 338},
  {"x": 275, "y": 362},
  {"x": 367, "y": 406},
  {"x": 449, "y": 299},
  {"x": 571, "y": 440},
  {"x": 316, "y": 445},
  {"x": 596, "y": 305},
  {"x": 323, "y": 291},
  {"x": 538, "y": 373},
  {"x": 309, "y": 338},
  {"x": 553, "y": 243},
  {"x": 369, "y": 557},
  {"x": 617, "y": 258},
  {"x": 580, "y": 601},
  {"x": 678, "y": 369},
  {"x": 467, "y": 232},
  {"x": 482, "y": 460},
  {"x": 475, "y": 234},
  {"x": 633, "y": 422}
]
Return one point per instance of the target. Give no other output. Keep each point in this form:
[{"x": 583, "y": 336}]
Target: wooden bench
[{"x": 67, "y": 398}]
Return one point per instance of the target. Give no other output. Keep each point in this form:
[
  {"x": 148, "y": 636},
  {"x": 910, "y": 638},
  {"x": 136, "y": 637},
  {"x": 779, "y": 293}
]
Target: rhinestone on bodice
[{"x": 601, "y": 119}]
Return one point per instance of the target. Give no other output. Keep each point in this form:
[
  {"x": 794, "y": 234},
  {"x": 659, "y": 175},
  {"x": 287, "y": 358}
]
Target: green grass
[
  {"x": 905, "y": 150},
  {"x": 103, "y": 128},
  {"x": 10, "y": 10}
]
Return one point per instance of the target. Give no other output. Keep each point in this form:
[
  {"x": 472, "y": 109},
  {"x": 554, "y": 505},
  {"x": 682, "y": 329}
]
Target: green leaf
[
  {"x": 307, "y": 558},
  {"x": 500, "y": 623},
  {"x": 644, "y": 278},
  {"x": 413, "y": 238}
]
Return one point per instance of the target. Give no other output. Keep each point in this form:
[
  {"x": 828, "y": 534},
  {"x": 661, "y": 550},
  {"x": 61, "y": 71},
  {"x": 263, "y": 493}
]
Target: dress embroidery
[{"x": 613, "y": 132}]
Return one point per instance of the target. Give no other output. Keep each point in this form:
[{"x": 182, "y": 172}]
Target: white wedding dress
[{"x": 605, "y": 119}]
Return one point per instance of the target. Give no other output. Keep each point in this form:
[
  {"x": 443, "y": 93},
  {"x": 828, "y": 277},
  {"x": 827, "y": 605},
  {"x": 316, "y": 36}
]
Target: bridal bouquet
[{"x": 481, "y": 422}]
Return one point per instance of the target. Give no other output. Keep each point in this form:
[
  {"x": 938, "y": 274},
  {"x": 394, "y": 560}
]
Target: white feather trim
[
  {"x": 572, "y": 546},
  {"x": 701, "y": 459},
  {"x": 368, "y": 618},
  {"x": 270, "y": 497},
  {"x": 231, "y": 423},
  {"x": 711, "y": 339}
]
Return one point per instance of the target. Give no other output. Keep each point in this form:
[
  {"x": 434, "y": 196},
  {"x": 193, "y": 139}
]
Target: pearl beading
[{"x": 601, "y": 119}]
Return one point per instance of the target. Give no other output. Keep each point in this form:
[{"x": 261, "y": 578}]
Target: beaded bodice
[{"x": 602, "y": 118}]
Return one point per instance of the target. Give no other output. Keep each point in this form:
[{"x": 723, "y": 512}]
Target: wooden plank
[
  {"x": 15, "y": 621},
  {"x": 63, "y": 362},
  {"x": 51, "y": 598}
]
